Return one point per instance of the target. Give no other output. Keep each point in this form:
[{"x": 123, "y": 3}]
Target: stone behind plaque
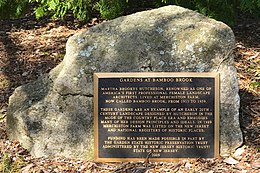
[{"x": 53, "y": 116}]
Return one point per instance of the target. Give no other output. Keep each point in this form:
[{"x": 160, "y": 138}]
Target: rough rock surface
[{"x": 53, "y": 115}]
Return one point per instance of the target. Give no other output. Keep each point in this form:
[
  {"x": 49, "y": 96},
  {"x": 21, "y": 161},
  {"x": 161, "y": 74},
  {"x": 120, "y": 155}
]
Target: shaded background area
[{"x": 31, "y": 48}]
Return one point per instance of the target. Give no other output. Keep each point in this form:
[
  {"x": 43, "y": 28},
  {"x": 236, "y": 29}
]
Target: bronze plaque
[{"x": 169, "y": 116}]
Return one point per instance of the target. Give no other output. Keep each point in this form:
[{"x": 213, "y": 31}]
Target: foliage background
[{"x": 224, "y": 10}]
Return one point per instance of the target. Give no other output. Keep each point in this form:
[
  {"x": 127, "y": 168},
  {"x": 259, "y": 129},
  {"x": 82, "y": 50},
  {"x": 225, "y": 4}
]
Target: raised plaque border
[{"x": 96, "y": 76}]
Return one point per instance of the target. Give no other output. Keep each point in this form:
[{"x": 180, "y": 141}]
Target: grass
[
  {"x": 9, "y": 165},
  {"x": 255, "y": 70},
  {"x": 6, "y": 164}
]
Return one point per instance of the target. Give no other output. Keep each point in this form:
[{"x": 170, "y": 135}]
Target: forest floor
[{"x": 31, "y": 48}]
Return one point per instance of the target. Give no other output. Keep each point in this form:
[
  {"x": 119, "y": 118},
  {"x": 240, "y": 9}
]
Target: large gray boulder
[{"x": 53, "y": 116}]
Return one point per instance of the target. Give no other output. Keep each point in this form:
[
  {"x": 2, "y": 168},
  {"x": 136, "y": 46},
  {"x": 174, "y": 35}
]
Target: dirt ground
[{"x": 31, "y": 48}]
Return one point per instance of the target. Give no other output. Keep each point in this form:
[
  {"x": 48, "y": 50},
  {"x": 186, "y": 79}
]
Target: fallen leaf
[
  {"x": 27, "y": 168},
  {"x": 256, "y": 164},
  {"x": 231, "y": 161},
  {"x": 239, "y": 153}
]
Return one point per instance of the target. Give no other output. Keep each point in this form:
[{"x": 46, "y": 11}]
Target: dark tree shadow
[
  {"x": 247, "y": 31},
  {"x": 10, "y": 67},
  {"x": 16, "y": 67},
  {"x": 249, "y": 118}
]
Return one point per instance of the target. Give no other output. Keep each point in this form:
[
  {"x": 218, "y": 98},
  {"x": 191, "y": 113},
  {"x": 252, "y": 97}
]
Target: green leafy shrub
[
  {"x": 58, "y": 8},
  {"x": 110, "y": 9},
  {"x": 12, "y": 8},
  {"x": 218, "y": 9},
  {"x": 251, "y": 6},
  {"x": 224, "y": 10}
]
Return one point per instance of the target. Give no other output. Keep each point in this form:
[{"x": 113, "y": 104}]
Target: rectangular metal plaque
[{"x": 170, "y": 115}]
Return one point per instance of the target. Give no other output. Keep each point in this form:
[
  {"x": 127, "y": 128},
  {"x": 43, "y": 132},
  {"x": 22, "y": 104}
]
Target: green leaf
[
  {"x": 68, "y": 4},
  {"x": 52, "y": 5},
  {"x": 255, "y": 84},
  {"x": 39, "y": 12},
  {"x": 63, "y": 11}
]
